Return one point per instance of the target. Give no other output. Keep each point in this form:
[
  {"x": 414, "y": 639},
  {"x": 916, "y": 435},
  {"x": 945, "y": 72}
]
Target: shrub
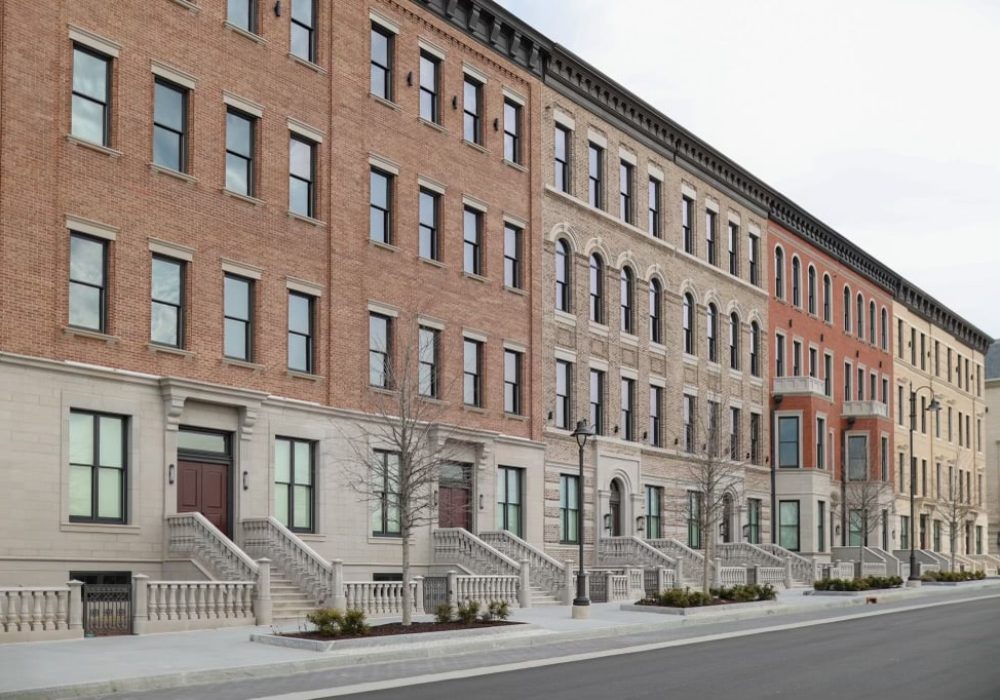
[
  {"x": 445, "y": 612},
  {"x": 354, "y": 623},
  {"x": 953, "y": 576},
  {"x": 746, "y": 593},
  {"x": 858, "y": 584},
  {"x": 496, "y": 610},
  {"x": 329, "y": 622},
  {"x": 686, "y": 598},
  {"x": 468, "y": 611}
]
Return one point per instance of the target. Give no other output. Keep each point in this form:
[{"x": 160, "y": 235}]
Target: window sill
[
  {"x": 475, "y": 146},
  {"x": 657, "y": 348},
  {"x": 516, "y": 166},
  {"x": 515, "y": 416},
  {"x": 433, "y": 263},
  {"x": 98, "y": 148},
  {"x": 629, "y": 339},
  {"x": 382, "y": 391},
  {"x": 188, "y": 5},
  {"x": 242, "y": 364},
  {"x": 735, "y": 373},
  {"x": 307, "y": 219},
  {"x": 243, "y": 197},
  {"x": 239, "y": 31},
  {"x": 167, "y": 350},
  {"x": 95, "y": 335},
  {"x": 315, "y": 378},
  {"x": 477, "y": 278},
  {"x": 599, "y": 329},
  {"x": 383, "y": 246},
  {"x": 100, "y": 528},
  {"x": 388, "y": 103},
  {"x": 432, "y": 400},
  {"x": 394, "y": 540},
  {"x": 516, "y": 290},
  {"x": 307, "y": 63},
  {"x": 566, "y": 318},
  {"x": 311, "y": 537},
  {"x": 474, "y": 409},
  {"x": 714, "y": 367},
  {"x": 689, "y": 359},
  {"x": 433, "y": 125},
  {"x": 173, "y": 173}
]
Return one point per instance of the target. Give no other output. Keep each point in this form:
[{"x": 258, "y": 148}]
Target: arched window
[
  {"x": 562, "y": 276},
  {"x": 871, "y": 322},
  {"x": 655, "y": 316},
  {"x": 687, "y": 323},
  {"x": 755, "y": 349},
  {"x": 847, "y": 309},
  {"x": 627, "y": 301},
  {"x": 885, "y": 329},
  {"x": 860, "y": 321},
  {"x": 734, "y": 341},
  {"x": 713, "y": 333},
  {"x": 796, "y": 282},
  {"x": 811, "y": 290},
  {"x": 596, "y": 289},
  {"x": 779, "y": 273},
  {"x": 827, "y": 299}
]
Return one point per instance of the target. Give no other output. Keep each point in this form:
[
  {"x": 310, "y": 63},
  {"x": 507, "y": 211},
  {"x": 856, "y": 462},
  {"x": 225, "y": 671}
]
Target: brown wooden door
[
  {"x": 615, "y": 506},
  {"x": 454, "y": 507},
  {"x": 204, "y": 487}
]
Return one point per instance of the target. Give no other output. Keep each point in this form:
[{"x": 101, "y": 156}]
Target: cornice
[{"x": 930, "y": 309}]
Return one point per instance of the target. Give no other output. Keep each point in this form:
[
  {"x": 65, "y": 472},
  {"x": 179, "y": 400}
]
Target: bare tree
[
  {"x": 864, "y": 500},
  {"x": 955, "y": 507}
]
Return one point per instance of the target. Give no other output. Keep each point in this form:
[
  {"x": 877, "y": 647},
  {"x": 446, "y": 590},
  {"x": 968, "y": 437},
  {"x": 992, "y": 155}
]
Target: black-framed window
[
  {"x": 712, "y": 333},
  {"x": 303, "y": 31},
  {"x": 753, "y": 520},
  {"x": 430, "y": 217},
  {"x": 735, "y": 433},
  {"x": 429, "y": 379},
  {"x": 510, "y": 494},
  {"x": 379, "y": 350},
  {"x": 596, "y": 288},
  {"x": 884, "y": 332},
  {"x": 820, "y": 526},
  {"x": 687, "y": 224},
  {"x": 655, "y": 311},
  {"x": 687, "y": 416},
  {"x": 386, "y": 521},
  {"x": 166, "y": 326},
  {"x": 430, "y": 87},
  {"x": 796, "y": 358},
  {"x": 711, "y": 249},
  {"x": 734, "y": 341},
  {"x": 170, "y": 125},
  {"x": 238, "y": 317},
  {"x": 656, "y": 416},
  {"x": 788, "y": 525},
  {"x": 828, "y": 375},
  {"x": 512, "y": 254},
  {"x": 563, "y": 141},
  {"x": 563, "y": 296},
  {"x": 242, "y": 14},
  {"x": 512, "y": 131},
  {"x": 827, "y": 299},
  {"x": 513, "y": 387},
  {"x": 871, "y": 326},
  {"x": 380, "y": 206},
  {"x": 712, "y": 431},
  {"x": 860, "y": 322},
  {"x": 294, "y": 493},
  {"x": 91, "y": 109},
  {"x": 753, "y": 256},
  {"x": 88, "y": 282},
  {"x": 847, "y": 310},
  {"x": 98, "y": 467},
  {"x": 734, "y": 249},
  {"x": 821, "y": 443},
  {"x": 597, "y": 401},
  {"x": 301, "y": 314},
  {"x": 625, "y": 192},
  {"x": 564, "y": 383},
  {"x": 857, "y": 457},
  {"x": 779, "y": 273},
  {"x": 694, "y": 514},
  {"x": 472, "y": 110},
  {"x": 627, "y": 300},
  {"x": 569, "y": 508},
  {"x": 755, "y": 438},
  {"x": 811, "y": 289},
  {"x": 653, "y": 220},
  {"x": 796, "y": 282},
  {"x": 472, "y": 234},
  {"x": 240, "y": 130},
  {"x": 302, "y": 175},
  {"x": 595, "y": 175},
  {"x": 779, "y": 356},
  {"x": 472, "y": 370},
  {"x": 654, "y": 512},
  {"x": 754, "y": 349},
  {"x": 627, "y": 418},
  {"x": 687, "y": 324},
  {"x": 788, "y": 442},
  {"x": 382, "y": 49}
]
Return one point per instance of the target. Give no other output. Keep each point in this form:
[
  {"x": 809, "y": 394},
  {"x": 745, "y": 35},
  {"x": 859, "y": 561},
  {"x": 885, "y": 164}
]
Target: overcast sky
[{"x": 879, "y": 117}]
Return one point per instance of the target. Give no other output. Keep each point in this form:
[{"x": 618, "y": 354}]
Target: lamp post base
[
  {"x": 913, "y": 582},
  {"x": 581, "y": 612}
]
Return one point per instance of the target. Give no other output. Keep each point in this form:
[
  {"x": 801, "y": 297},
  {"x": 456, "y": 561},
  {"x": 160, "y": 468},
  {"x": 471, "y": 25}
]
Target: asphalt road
[{"x": 946, "y": 653}]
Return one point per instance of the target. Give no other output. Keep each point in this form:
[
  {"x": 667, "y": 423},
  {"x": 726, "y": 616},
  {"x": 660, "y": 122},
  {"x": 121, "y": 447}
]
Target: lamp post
[
  {"x": 935, "y": 406},
  {"x": 581, "y": 604}
]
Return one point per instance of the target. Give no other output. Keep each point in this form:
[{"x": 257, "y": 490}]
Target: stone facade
[{"x": 992, "y": 428}]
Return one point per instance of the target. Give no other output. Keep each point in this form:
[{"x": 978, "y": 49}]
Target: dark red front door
[
  {"x": 204, "y": 487},
  {"x": 454, "y": 507}
]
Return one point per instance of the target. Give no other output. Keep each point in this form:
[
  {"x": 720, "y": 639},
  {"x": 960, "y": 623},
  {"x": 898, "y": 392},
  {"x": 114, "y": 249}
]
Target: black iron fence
[
  {"x": 107, "y": 609},
  {"x": 435, "y": 592}
]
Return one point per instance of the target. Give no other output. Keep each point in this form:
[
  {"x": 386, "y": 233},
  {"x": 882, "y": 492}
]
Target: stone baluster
[
  {"x": 36, "y": 609},
  {"x": 25, "y": 622},
  {"x": 171, "y": 601},
  {"x": 62, "y": 612}
]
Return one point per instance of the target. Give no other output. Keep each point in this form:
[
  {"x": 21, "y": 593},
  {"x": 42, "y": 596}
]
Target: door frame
[
  {"x": 189, "y": 455},
  {"x": 616, "y": 519}
]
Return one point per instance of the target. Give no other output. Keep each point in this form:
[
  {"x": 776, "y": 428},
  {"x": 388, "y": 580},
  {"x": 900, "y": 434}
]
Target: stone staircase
[
  {"x": 542, "y": 598},
  {"x": 288, "y": 601}
]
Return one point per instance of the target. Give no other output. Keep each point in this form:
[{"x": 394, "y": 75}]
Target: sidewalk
[{"x": 90, "y": 667}]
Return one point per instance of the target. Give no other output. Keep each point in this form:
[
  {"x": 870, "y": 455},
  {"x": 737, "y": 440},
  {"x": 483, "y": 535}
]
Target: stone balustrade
[
  {"x": 632, "y": 551},
  {"x": 383, "y": 598},
  {"x": 318, "y": 578},
  {"x": 171, "y": 606},
  {"x": 729, "y": 575},
  {"x": 41, "y": 613},
  {"x": 485, "y": 589},
  {"x": 746, "y": 554},
  {"x": 192, "y": 536},
  {"x": 459, "y": 546},
  {"x": 546, "y": 573},
  {"x": 802, "y": 569},
  {"x": 773, "y": 575}
]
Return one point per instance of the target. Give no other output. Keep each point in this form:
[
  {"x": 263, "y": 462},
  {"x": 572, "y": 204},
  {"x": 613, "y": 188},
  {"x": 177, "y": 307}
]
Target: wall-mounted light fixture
[
  {"x": 454, "y": 101},
  {"x": 640, "y": 524},
  {"x": 607, "y": 521},
  {"x": 434, "y": 499},
  {"x": 746, "y": 532},
  {"x": 277, "y": 8},
  {"x": 409, "y": 79},
  {"x": 246, "y": 481},
  {"x": 496, "y": 125},
  {"x": 481, "y": 502},
  {"x": 170, "y": 474}
]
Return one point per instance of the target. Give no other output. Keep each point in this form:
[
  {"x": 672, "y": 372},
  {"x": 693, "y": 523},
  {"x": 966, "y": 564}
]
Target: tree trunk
[
  {"x": 407, "y": 595},
  {"x": 707, "y": 549}
]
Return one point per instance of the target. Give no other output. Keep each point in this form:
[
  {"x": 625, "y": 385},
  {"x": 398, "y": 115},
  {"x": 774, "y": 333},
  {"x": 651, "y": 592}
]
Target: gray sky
[{"x": 879, "y": 117}]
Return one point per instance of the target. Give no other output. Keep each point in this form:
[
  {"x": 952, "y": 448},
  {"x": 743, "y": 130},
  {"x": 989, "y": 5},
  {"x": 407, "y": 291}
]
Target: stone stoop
[
  {"x": 287, "y": 599},
  {"x": 541, "y": 598}
]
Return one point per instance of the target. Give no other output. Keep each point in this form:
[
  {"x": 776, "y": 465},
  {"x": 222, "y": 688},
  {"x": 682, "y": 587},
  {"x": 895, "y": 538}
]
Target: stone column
[
  {"x": 453, "y": 589},
  {"x": 262, "y": 605},
  {"x": 524, "y": 590},
  {"x": 339, "y": 597},
  {"x": 717, "y": 573},
  {"x": 140, "y": 603},
  {"x": 419, "y": 595},
  {"x": 788, "y": 573},
  {"x": 570, "y": 584},
  {"x": 76, "y": 606}
]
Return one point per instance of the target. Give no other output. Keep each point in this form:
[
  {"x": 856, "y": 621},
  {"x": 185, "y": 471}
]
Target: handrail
[
  {"x": 632, "y": 551},
  {"x": 461, "y": 542},
  {"x": 693, "y": 560},
  {"x": 544, "y": 571},
  {"x": 802, "y": 568},
  {"x": 193, "y": 534},
  {"x": 487, "y": 536},
  {"x": 295, "y": 558},
  {"x": 749, "y": 553}
]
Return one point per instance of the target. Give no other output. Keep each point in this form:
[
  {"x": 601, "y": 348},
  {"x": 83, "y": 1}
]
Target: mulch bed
[{"x": 394, "y": 628}]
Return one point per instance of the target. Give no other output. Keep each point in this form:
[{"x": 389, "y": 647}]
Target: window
[
  {"x": 564, "y": 380},
  {"x": 625, "y": 211},
  {"x": 687, "y": 324},
  {"x": 562, "y": 150},
  {"x": 597, "y": 401},
  {"x": 655, "y": 313},
  {"x": 472, "y": 233},
  {"x": 472, "y": 106},
  {"x": 860, "y": 322},
  {"x": 170, "y": 125},
  {"x": 88, "y": 271},
  {"x": 429, "y": 206},
  {"x": 900, "y": 411},
  {"x": 711, "y": 251},
  {"x": 653, "y": 223},
  {"x": 857, "y": 457},
  {"x": 380, "y": 207},
  {"x": 472, "y": 373},
  {"x": 937, "y": 535},
  {"x": 754, "y": 255},
  {"x": 595, "y": 177},
  {"x": 861, "y": 384},
  {"x": 300, "y": 332},
  {"x": 303, "y": 29},
  {"x": 381, "y": 58},
  {"x": 509, "y": 485},
  {"x": 688, "y": 418},
  {"x": 429, "y": 379},
  {"x": 687, "y": 224},
  {"x": 627, "y": 301},
  {"x": 379, "y": 351},
  {"x": 827, "y": 300},
  {"x": 238, "y": 318},
  {"x": 98, "y": 467},
  {"x": 753, "y": 520},
  {"x": 821, "y": 526},
  {"x": 755, "y": 436},
  {"x": 855, "y": 527},
  {"x": 734, "y": 341},
  {"x": 240, "y": 129},
  {"x": 779, "y": 355},
  {"x": 871, "y": 322},
  {"x": 788, "y": 442},
  {"x": 512, "y": 257},
  {"x": 884, "y": 460},
  {"x": 91, "y": 96},
  {"x": 754, "y": 349},
  {"x": 847, "y": 310},
  {"x": 735, "y": 434},
  {"x": 512, "y": 131},
  {"x": 788, "y": 525},
  {"x": 913, "y": 353},
  {"x": 301, "y": 176},
  {"x": 654, "y": 512},
  {"x": 811, "y": 289},
  {"x": 167, "y": 308},
  {"x": 694, "y": 519},
  {"x": 569, "y": 509},
  {"x": 813, "y": 362},
  {"x": 596, "y": 289},
  {"x": 562, "y": 276},
  {"x": 796, "y": 358},
  {"x": 712, "y": 333},
  {"x": 734, "y": 242},
  {"x": 386, "y": 521},
  {"x": 779, "y": 273},
  {"x": 979, "y": 539},
  {"x": 796, "y": 282},
  {"x": 904, "y": 532},
  {"x": 847, "y": 381},
  {"x": 828, "y": 375},
  {"x": 655, "y": 412},
  {"x": 885, "y": 400},
  {"x": 899, "y": 345},
  {"x": 430, "y": 88},
  {"x": 293, "y": 484},
  {"x": 242, "y": 14},
  {"x": 628, "y": 408},
  {"x": 713, "y": 433},
  {"x": 512, "y": 382},
  {"x": 923, "y": 358},
  {"x": 821, "y": 443}
]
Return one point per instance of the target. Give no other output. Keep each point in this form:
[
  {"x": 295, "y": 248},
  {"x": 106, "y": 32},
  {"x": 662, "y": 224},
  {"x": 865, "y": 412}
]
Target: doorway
[
  {"x": 204, "y": 479},
  {"x": 455, "y": 496},
  {"x": 615, "y": 508},
  {"x": 727, "y": 518}
]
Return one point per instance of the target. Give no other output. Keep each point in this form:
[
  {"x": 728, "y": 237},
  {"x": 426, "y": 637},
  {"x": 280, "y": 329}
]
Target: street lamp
[
  {"x": 581, "y": 604},
  {"x": 935, "y": 406}
]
